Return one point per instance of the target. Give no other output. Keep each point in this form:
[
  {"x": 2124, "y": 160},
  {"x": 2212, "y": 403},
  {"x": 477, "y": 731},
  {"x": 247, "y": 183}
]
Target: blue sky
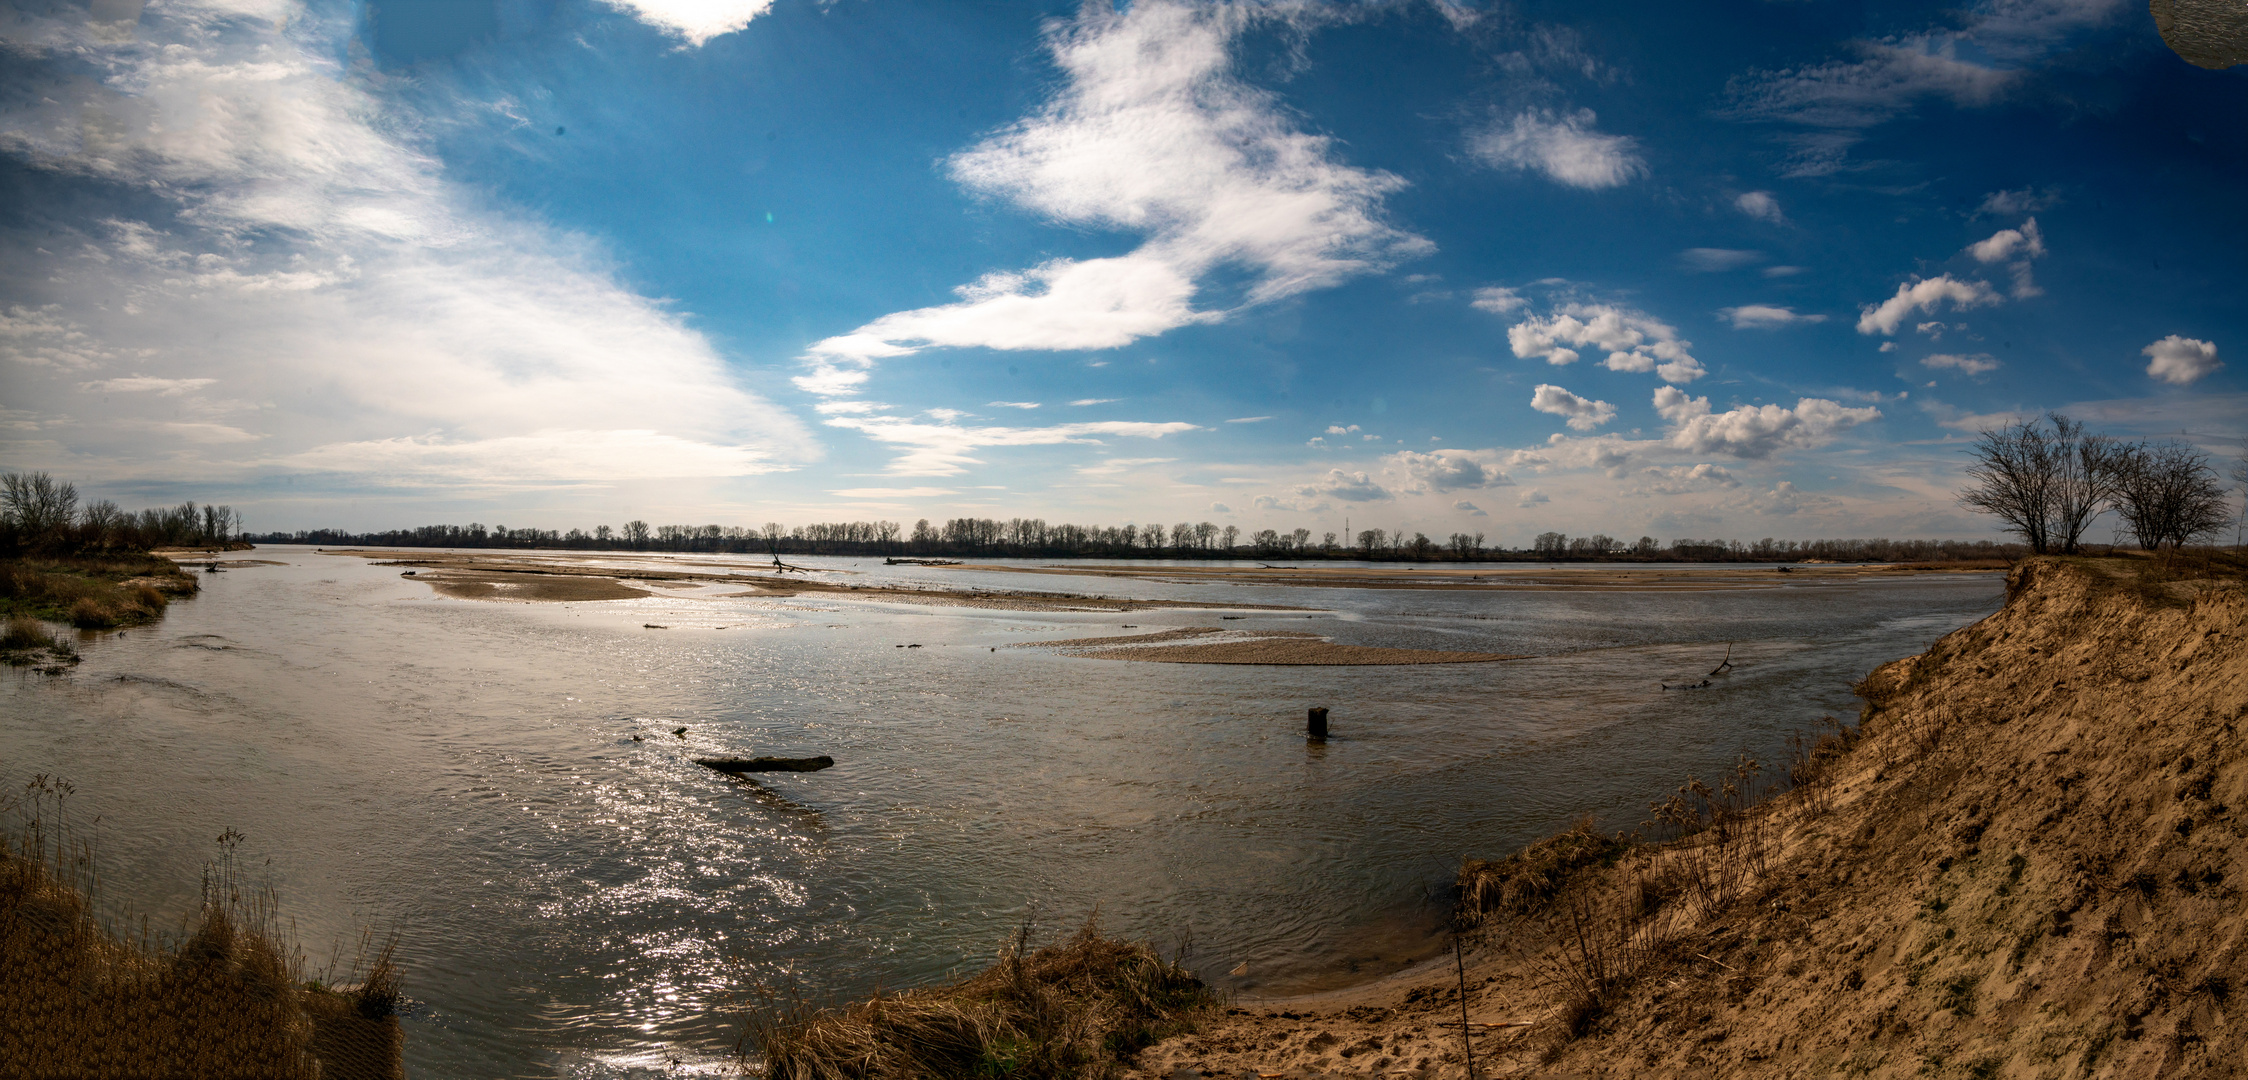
[{"x": 1736, "y": 270}]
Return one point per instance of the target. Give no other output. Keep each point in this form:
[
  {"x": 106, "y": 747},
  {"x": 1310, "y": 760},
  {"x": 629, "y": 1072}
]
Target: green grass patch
[{"x": 92, "y": 592}]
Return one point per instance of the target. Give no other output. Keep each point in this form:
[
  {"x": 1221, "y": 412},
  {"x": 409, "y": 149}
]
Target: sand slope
[{"x": 2029, "y": 864}]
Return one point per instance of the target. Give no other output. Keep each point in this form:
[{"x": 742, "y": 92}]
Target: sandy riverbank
[{"x": 2027, "y": 861}]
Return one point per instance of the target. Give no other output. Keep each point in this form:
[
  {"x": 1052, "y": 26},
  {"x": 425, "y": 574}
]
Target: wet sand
[{"x": 1210, "y": 645}]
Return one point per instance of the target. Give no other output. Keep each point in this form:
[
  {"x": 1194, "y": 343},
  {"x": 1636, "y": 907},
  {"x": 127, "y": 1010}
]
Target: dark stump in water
[{"x": 766, "y": 764}]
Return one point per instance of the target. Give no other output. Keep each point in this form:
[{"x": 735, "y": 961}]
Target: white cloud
[
  {"x": 1563, "y": 146},
  {"x": 1532, "y": 498},
  {"x": 1347, "y": 486},
  {"x": 946, "y": 448},
  {"x": 1766, "y": 317},
  {"x": 1924, "y": 295},
  {"x": 1220, "y": 508},
  {"x": 1151, "y": 134},
  {"x": 1975, "y": 364},
  {"x": 1471, "y": 509},
  {"x": 1754, "y": 431},
  {"x": 2181, "y": 360},
  {"x": 1780, "y": 271},
  {"x": 1761, "y": 206},
  {"x": 1338, "y": 429},
  {"x": 1248, "y": 420},
  {"x": 1947, "y": 416},
  {"x": 1682, "y": 479},
  {"x": 1011, "y": 404},
  {"x": 1082, "y": 402},
  {"x": 313, "y": 254},
  {"x": 141, "y": 384},
  {"x": 696, "y": 21},
  {"x": 1446, "y": 470},
  {"x": 2011, "y": 203},
  {"x": 1584, "y": 414},
  {"x": 1498, "y": 300},
  {"x": 1117, "y": 466},
  {"x": 893, "y": 492},
  {"x": 1717, "y": 260},
  {"x": 2007, "y": 243},
  {"x": 1635, "y": 340}
]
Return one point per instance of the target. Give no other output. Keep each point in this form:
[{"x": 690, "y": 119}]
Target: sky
[{"x": 1741, "y": 270}]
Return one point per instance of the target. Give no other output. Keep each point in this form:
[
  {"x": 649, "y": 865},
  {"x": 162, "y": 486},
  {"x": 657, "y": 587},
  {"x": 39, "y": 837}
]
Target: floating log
[
  {"x": 739, "y": 765},
  {"x": 1727, "y": 665}
]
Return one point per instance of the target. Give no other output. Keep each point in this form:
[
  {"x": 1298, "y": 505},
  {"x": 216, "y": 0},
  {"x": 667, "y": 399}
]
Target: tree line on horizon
[{"x": 1034, "y": 538}]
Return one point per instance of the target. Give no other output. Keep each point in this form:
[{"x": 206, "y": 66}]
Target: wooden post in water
[{"x": 1317, "y": 726}]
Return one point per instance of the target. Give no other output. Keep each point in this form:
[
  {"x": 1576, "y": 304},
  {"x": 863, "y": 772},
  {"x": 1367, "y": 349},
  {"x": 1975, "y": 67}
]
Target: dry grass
[
  {"x": 1077, "y": 1008},
  {"x": 92, "y": 592},
  {"x": 226, "y": 998}
]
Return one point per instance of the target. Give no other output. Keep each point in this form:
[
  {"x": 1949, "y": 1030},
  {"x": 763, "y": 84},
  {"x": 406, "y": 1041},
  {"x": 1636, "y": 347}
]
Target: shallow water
[{"x": 575, "y": 903}]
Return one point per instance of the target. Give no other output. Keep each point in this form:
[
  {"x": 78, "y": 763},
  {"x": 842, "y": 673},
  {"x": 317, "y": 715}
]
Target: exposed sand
[
  {"x": 1587, "y": 577},
  {"x": 550, "y": 577},
  {"x": 1276, "y": 647},
  {"x": 549, "y": 588},
  {"x": 2030, "y": 863}
]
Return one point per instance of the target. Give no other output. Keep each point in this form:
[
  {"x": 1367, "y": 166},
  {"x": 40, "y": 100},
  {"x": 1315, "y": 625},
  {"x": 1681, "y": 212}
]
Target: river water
[{"x": 572, "y": 902}]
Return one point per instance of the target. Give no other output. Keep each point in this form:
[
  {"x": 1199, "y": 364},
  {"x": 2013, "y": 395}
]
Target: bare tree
[
  {"x": 2168, "y": 495},
  {"x": 2084, "y": 471},
  {"x": 2013, "y": 480}
]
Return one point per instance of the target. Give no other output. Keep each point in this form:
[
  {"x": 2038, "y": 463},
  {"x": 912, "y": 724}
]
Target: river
[{"x": 572, "y": 902}]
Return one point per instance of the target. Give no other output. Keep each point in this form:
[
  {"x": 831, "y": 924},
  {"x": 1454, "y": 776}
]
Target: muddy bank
[{"x": 2027, "y": 861}]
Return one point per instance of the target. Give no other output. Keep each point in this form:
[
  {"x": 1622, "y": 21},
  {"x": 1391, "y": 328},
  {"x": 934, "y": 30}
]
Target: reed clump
[
  {"x": 1079, "y": 1008},
  {"x": 226, "y": 997}
]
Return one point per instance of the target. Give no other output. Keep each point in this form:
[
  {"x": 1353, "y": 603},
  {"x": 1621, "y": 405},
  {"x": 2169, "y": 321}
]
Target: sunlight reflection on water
[{"x": 574, "y": 902}]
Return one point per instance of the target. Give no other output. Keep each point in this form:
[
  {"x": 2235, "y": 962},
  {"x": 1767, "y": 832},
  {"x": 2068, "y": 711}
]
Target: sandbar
[{"x": 545, "y": 577}]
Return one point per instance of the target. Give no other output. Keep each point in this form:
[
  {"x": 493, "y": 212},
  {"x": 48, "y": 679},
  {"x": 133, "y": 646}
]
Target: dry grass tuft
[
  {"x": 227, "y": 999},
  {"x": 1526, "y": 882},
  {"x": 1077, "y": 1008}
]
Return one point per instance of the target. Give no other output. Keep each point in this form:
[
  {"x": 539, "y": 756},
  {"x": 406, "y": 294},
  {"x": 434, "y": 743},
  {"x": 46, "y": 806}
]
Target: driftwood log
[{"x": 739, "y": 765}]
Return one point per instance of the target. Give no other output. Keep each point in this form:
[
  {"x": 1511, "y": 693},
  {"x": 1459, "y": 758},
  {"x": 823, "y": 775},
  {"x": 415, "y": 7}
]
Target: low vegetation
[
  {"x": 1078, "y": 1008},
  {"x": 226, "y": 996},
  {"x": 92, "y": 591}
]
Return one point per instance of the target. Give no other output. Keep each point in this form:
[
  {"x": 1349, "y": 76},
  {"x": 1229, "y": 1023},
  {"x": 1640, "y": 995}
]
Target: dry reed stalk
[{"x": 226, "y": 1000}]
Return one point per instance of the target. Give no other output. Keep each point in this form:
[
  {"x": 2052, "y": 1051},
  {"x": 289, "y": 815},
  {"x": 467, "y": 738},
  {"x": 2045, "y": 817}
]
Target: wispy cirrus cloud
[{"x": 1826, "y": 108}]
